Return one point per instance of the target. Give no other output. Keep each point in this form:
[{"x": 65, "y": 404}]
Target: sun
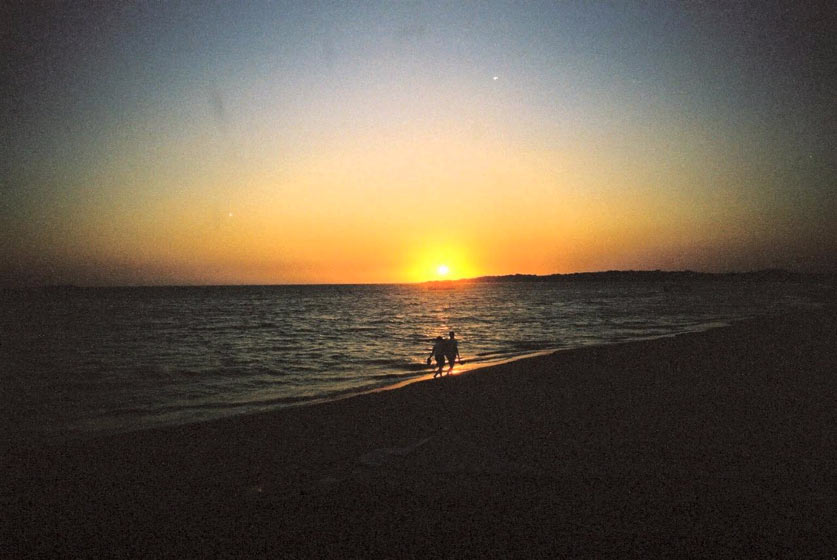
[{"x": 434, "y": 260}]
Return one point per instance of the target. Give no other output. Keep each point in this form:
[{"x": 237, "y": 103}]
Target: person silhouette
[
  {"x": 438, "y": 352},
  {"x": 452, "y": 351}
]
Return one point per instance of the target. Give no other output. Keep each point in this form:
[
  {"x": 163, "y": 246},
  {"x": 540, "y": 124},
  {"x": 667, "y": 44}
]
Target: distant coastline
[
  {"x": 767, "y": 275},
  {"x": 670, "y": 276}
]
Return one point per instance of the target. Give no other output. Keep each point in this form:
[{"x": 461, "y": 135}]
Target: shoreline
[
  {"x": 716, "y": 443},
  {"x": 80, "y": 435},
  {"x": 83, "y": 437}
]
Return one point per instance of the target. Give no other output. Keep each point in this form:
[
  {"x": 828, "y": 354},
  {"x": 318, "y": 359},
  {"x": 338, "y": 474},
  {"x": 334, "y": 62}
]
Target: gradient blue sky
[{"x": 186, "y": 142}]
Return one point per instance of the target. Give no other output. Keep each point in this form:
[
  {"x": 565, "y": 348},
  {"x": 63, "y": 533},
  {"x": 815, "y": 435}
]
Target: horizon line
[{"x": 70, "y": 285}]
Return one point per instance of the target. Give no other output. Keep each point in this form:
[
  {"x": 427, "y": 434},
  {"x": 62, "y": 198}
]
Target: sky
[{"x": 148, "y": 143}]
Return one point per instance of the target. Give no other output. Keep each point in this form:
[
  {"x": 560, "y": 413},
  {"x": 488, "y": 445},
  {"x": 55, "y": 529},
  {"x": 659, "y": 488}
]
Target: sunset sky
[{"x": 298, "y": 142}]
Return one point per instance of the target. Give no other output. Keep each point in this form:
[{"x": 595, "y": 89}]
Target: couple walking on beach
[{"x": 443, "y": 349}]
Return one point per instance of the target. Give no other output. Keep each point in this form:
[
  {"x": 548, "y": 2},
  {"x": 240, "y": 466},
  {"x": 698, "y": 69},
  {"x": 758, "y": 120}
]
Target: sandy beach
[{"x": 719, "y": 444}]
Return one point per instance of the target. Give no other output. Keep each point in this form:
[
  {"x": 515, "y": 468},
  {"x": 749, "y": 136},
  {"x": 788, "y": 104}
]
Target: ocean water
[{"x": 78, "y": 362}]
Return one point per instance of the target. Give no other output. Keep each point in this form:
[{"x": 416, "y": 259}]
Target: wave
[
  {"x": 241, "y": 372},
  {"x": 259, "y": 347},
  {"x": 392, "y": 363},
  {"x": 532, "y": 345},
  {"x": 390, "y": 376},
  {"x": 258, "y": 326}
]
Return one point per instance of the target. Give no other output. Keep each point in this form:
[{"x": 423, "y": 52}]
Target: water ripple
[{"x": 144, "y": 356}]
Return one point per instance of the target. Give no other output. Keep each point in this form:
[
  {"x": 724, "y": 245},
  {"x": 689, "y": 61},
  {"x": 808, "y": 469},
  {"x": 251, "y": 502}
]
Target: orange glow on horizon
[
  {"x": 439, "y": 261},
  {"x": 328, "y": 146},
  {"x": 439, "y": 200}
]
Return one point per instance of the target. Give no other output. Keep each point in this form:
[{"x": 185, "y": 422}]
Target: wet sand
[{"x": 719, "y": 444}]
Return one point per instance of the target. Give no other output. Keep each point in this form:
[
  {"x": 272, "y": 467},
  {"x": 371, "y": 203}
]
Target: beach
[{"x": 717, "y": 444}]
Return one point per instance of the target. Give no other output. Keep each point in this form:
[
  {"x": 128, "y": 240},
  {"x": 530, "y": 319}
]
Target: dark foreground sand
[{"x": 718, "y": 444}]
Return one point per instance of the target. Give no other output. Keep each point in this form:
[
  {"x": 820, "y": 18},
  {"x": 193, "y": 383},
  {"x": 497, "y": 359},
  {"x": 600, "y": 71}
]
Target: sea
[{"x": 80, "y": 362}]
